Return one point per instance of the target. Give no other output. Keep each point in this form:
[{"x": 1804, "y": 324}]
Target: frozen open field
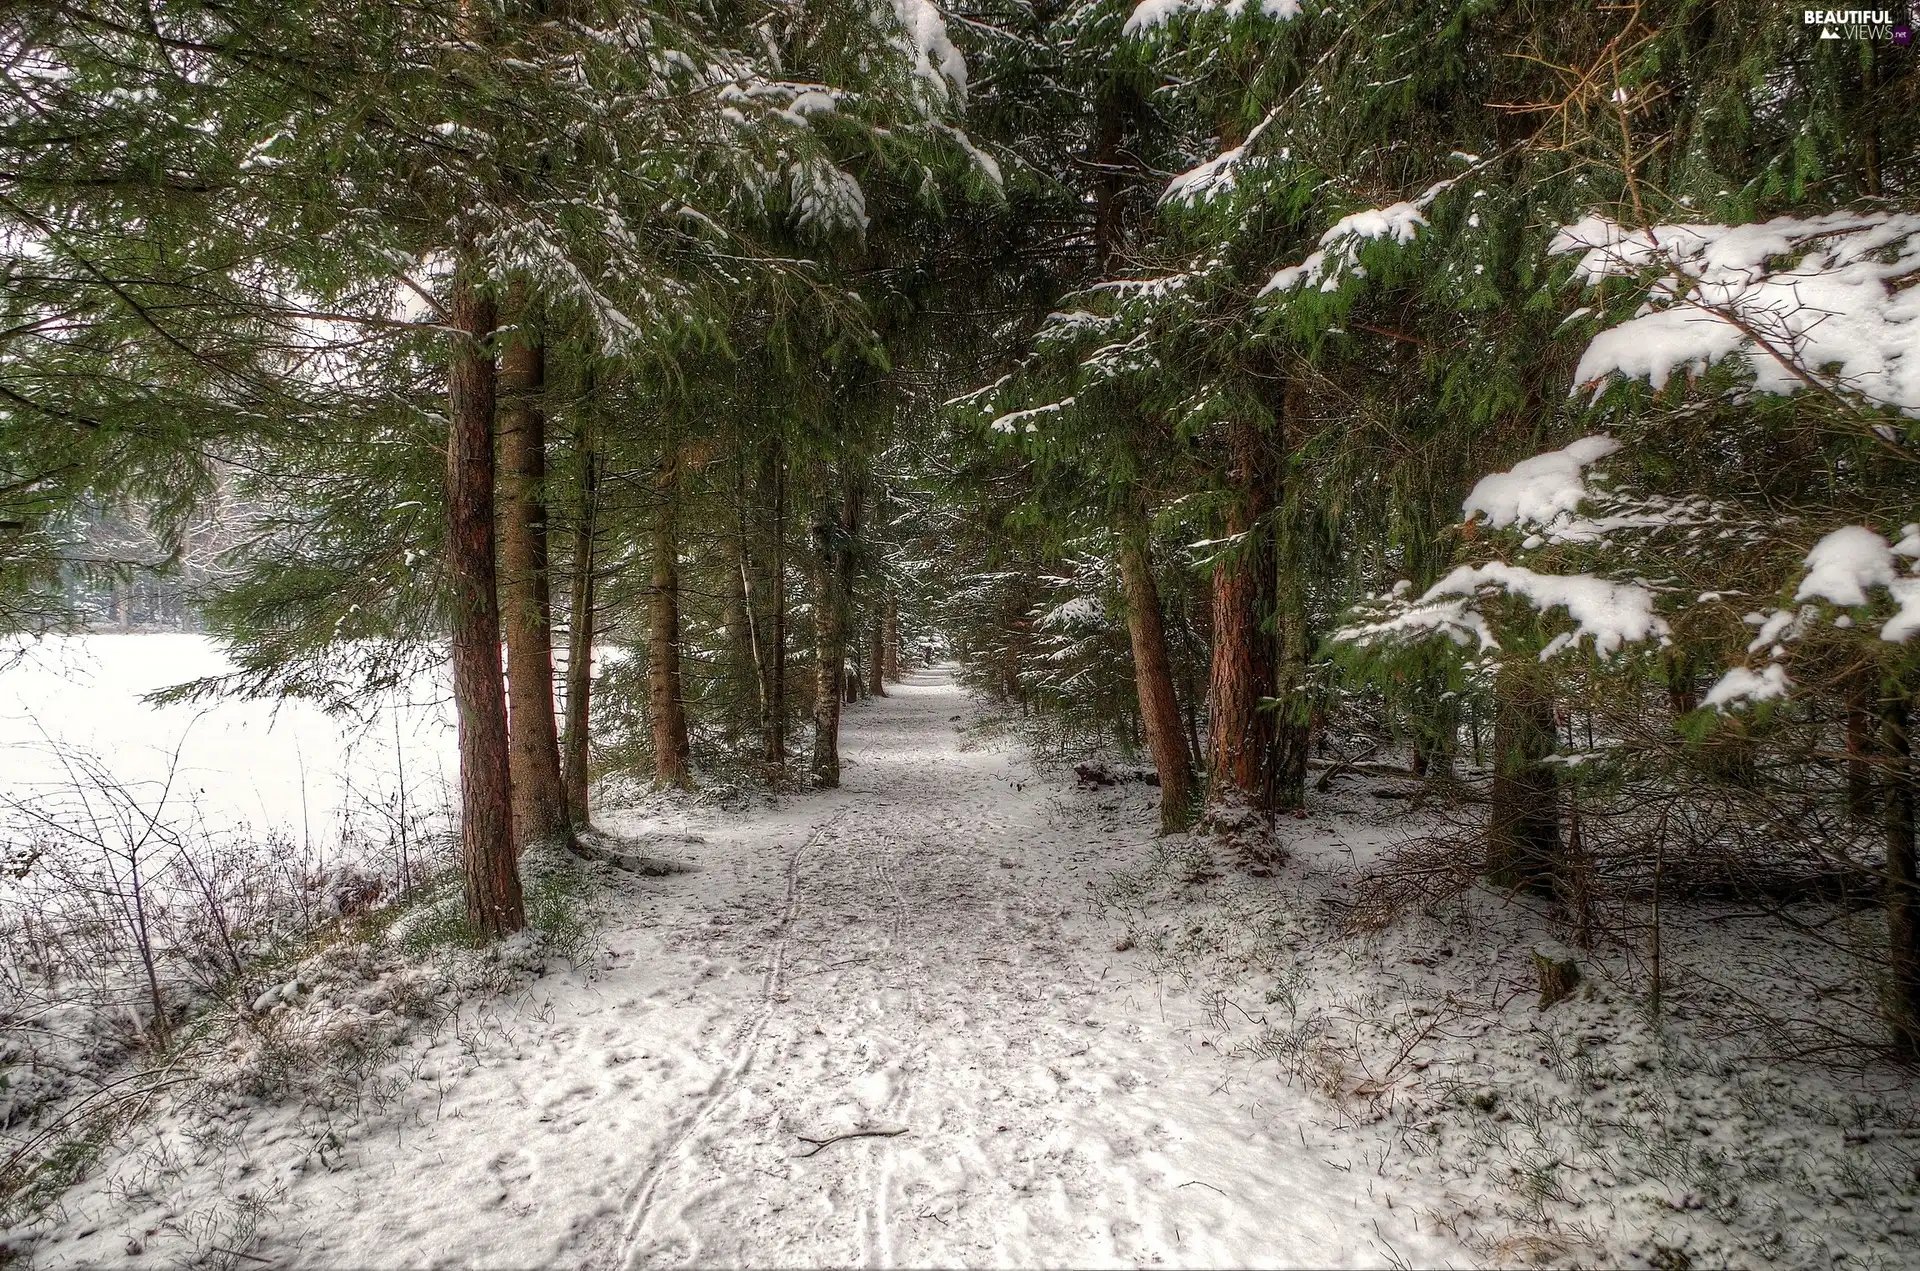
[{"x": 266, "y": 767}]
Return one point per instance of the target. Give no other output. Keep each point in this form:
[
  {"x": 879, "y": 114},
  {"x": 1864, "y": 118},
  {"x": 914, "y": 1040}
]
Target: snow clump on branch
[
  {"x": 1150, "y": 15},
  {"x": 1610, "y": 614},
  {"x": 1791, "y": 296},
  {"x": 931, "y": 50},
  {"x": 1741, "y": 685},
  {"x": 1843, "y": 565},
  {"x": 1547, "y": 492},
  {"x": 1339, "y": 254},
  {"x": 1543, "y": 490}
]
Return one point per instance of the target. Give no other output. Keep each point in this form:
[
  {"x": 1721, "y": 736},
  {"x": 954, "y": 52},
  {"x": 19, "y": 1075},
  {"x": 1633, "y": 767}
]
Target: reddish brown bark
[
  {"x": 539, "y": 795},
  {"x": 672, "y": 764},
  {"x": 1860, "y": 729},
  {"x": 890, "y": 661},
  {"x": 1240, "y": 734},
  {"x": 494, "y": 902},
  {"x": 1153, "y": 679},
  {"x": 1523, "y": 828},
  {"x": 580, "y": 630}
]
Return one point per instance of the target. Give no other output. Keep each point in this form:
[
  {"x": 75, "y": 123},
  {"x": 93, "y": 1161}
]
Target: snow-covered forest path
[{"x": 918, "y": 954}]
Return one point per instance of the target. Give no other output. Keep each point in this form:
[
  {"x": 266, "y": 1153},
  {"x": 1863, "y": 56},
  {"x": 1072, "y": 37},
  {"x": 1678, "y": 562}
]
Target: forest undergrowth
[
  {"x": 1595, "y": 1130},
  {"x": 318, "y": 1006}
]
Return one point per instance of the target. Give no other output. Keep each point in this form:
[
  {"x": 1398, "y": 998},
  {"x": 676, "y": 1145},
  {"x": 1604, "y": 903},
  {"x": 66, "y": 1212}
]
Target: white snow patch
[
  {"x": 1844, "y": 564},
  {"x": 1339, "y": 254},
  {"x": 1743, "y": 686},
  {"x": 827, "y": 199},
  {"x": 1610, "y": 614},
  {"x": 1207, "y": 181},
  {"x": 1791, "y": 296},
  {"x": 924, "y": 951},
  {"x": 935, "y": 60},
  {"x": 1540, "y": 490},
  {"x": 1151, "y": 14}
]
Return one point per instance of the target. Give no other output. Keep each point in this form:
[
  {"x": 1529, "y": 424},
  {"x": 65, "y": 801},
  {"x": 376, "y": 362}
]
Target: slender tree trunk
[
  {"x": 1902, "y": 994},
  {"x": 580, "y": 628},
  {"x": 1523, "y": 826},
  {"x": 775, "y": 724},
  {"x": 1115, "y": 105},
  {"x": 539, "y": 794},
  {"x": 829, "y": 626},
  {"x": 666, "y": 705},
  {"x": 1292, "y": 635},
  {"x": 1292, "y": 690},
  {"x": 494, "y": 902},
  {"x": 876, "y": 656},
  {"x": 1153, "y": 678},
  {"x": 890, "y": 662},
  {"x": 742, "y": 604},
  {"x": 1240, "y": 734},
  {"x": 1860, "y": 729}
]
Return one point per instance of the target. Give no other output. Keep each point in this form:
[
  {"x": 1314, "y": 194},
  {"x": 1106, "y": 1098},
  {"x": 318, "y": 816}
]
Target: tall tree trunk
[
  {"x": 1860, "y": 729},
  {"x": 666, "y": 706},
  {"x": 876, "y": 655},
  {"x": 1902, "y": 995},
  {"x": 1293, "y": 694},
  {"x": 1292, "y": 637},
  {"x": 539, "y": 794},
  {"x": 774, "y": 724},
  {"x": 742, "y": 605},
  {"x": 740, "y": 707},
  {"x": 1116, "y": 103},
  {"x": 890, "y": 660},
  {"x": 580, "y": 625},
  {"x": 494, "y": 902},
  {"x": 1240, "y": 733},
  {"x": 1523, "y": 825},
  {"x": 1153, "y": 676},
  {"x": 830, "y": 531}
]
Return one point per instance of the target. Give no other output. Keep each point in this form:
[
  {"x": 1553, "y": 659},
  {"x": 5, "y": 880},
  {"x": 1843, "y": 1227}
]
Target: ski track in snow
[
  {"x": 919, "y": 951},
  {"x": 743, "y": 1049}
]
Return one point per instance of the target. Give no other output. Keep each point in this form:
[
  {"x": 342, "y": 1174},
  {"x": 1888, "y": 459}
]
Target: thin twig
[{"x": 821, "y": 1145}]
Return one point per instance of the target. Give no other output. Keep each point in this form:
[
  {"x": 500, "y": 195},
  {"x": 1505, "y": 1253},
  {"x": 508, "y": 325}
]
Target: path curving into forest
[{"x": 917, "y": 960}]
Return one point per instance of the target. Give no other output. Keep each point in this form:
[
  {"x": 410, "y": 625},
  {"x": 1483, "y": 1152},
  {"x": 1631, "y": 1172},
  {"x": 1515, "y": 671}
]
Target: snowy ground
[
  {"x": 1070, "y": 1043},
  {"x": 922, "y": 952}
]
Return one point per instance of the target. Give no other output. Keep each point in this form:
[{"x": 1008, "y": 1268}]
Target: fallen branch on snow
[{"x": 821, "y": 1145}]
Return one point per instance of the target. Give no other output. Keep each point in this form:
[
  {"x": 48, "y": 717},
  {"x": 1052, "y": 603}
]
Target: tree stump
[{"x": 1559, "y": 973}]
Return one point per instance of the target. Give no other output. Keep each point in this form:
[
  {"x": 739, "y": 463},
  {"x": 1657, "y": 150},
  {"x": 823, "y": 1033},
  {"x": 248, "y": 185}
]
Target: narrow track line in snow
[
  {"x": 746, "y": 1042},
  {"x": 892, "y": 851}
]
